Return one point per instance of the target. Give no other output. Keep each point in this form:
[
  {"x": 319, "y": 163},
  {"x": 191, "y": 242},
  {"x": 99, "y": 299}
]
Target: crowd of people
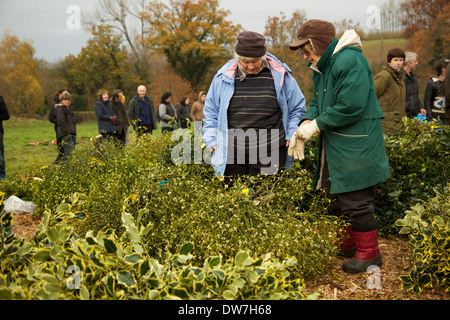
[
  {"x": 114, "y": 121},
  {"x": 256, "y": 122},
  {"x": 397, "y": 90}
]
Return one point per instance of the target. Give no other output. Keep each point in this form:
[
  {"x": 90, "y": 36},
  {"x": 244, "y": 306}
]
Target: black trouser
[
  {"x": 235, "y": 169},
  {"x": 140, "y": 130},
  {"x": 357, "y": 206},
  {"x": 121, "y": 136}
]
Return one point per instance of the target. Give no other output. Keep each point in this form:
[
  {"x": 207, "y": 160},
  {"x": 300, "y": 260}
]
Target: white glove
[
  {"x": 306, "y": 131},
  {"x": 297, "y": 148}
]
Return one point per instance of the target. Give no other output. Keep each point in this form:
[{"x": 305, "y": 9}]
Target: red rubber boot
[
  {"x": 348, "y": 246},
  {"x": 367, "y": 253}
]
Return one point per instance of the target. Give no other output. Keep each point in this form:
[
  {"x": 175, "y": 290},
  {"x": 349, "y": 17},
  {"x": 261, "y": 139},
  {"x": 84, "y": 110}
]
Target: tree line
[{"x": 178, "y": 47}]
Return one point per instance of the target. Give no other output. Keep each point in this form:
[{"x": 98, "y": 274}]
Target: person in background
[
  {"x": 4, "y": 115},
  {"x": 254, "y": 96},
  {"x": 390, "y": 89},
  {"x": 352, "y": 158},
  {"x": 127, "y": 134},
  {"x": 434, "y": 93},
  {"x": 447, "y": 96},
  {"x": 166, "y": 113},
  {"x": 183, "y": 111},
  {"x": 414, "y": 106},
  {"x": 106, "y": 118},
  {"x": 198, "y": 106},
  {"x": 141, "y": 112},
  {"x": 52, "y": 119},
  {"x": 66, "y": 121},
  {"x": 122, "y": 123}
]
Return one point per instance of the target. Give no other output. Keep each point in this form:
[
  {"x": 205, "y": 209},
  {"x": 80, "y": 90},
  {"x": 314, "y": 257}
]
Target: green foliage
[
  {"x": 419, "y": 157},
  {"x": 188, "y": 203},
  {"x": 57, "y": 264},
  {"x": 428, "y": 226},
  {"x": 193, "y": 36}
]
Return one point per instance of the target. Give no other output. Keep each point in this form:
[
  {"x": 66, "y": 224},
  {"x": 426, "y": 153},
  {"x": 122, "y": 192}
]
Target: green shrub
[
  {"x": 188, "y": 203},
  {"x": 57, "y": 264},
  {"x": 419, "y": 158},
  {"x": 428, "y": 226}
]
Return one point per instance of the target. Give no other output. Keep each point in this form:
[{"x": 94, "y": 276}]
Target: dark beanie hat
[
  {"x": 319, "y": 33},
  {"x": 251, "y": 44},
  {"x": 395, "y": 53}
]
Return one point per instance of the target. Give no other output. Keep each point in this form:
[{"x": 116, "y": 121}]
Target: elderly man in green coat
[{"x": 352, "y": 156}]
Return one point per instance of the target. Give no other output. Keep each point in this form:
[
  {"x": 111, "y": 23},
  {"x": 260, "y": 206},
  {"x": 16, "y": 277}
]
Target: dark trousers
[
  {"x": 68, "y": 144},
  {"x": 59, "y": 145},
  {"x": 2, "y": 157},
  {"x": 356, "y": 206},
  {"x": 167, "y": 129},
  {"x": 235, "y": 169},
  {"x": 121, "y": 136},
  {"x": 140, "y": 130}
]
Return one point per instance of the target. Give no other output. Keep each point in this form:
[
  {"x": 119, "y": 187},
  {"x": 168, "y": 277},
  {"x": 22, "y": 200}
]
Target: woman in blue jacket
[
  {"x": 253, "y": 107},
  {"x": 105, "y": 115}
]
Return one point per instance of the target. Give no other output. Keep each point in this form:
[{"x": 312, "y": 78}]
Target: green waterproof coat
[
  {"x": 349, "y": 116},
  {"x": 391, "y": 93}
]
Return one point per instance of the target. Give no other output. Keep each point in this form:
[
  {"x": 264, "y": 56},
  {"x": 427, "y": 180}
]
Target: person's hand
[
  {"x": 113, "y": 119},
  {"x": 212, "y": 149},
  {"x": 307, "y": 130},
  {"x": 297, "y": 148}
]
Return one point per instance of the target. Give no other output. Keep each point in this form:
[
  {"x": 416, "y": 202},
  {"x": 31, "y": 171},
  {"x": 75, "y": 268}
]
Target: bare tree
[
  {"x": 391, "y": 16},
  {"x": 129, "y": 18}
]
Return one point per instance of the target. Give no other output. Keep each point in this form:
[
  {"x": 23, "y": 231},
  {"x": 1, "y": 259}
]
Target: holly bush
[
  {"x": 428, "y": 227},
  {"x": 57, "y": 264},
  {"x": 187, "y": 203},
  {"x": 419, "y": 158}
]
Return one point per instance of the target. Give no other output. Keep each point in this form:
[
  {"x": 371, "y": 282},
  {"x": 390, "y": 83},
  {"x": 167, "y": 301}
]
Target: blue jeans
[{"x": 68, "y": 144}]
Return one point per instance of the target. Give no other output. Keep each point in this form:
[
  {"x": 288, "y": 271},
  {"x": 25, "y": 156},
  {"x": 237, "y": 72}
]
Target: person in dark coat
[
  {"x": 4, "y": 115},
  {"x": 106, "y": 118},
  {"x": 447, "y": 96},
  {"x": 52, "y": 119},
  {"x": 142, "y": 113},
  {"x": 352, "y": 158},
  {"x": 434, "y": 93},
  {"x": 183, "y": 111},
  {"x": 413, "y": 106},
  {"x": 66, "y": 121},
  {"x": 122, "y": 123}
]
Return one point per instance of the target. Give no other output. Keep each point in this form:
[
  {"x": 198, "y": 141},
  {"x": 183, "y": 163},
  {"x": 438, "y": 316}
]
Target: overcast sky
[{"x": 51, "y": 26}]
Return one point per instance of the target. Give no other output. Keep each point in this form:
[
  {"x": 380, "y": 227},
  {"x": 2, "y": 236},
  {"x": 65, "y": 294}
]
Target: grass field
[
  {"x": 29, "y": 143},
  {"x": 19, "y": 132}
]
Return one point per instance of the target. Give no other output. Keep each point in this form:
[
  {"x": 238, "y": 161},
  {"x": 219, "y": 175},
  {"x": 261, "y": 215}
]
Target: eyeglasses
[{"x": 305, "y": 52}]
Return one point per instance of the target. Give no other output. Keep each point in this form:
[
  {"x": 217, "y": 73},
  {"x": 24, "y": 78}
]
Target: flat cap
[{"x": 319, "y": 32}]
